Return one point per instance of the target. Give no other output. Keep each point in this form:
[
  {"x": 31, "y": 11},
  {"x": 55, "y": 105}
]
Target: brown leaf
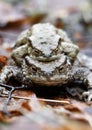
[{"x": 3, "y": 61}]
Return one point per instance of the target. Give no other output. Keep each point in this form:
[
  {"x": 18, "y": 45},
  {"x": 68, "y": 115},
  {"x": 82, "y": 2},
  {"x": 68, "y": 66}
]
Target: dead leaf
[{"x": 3, "y": 61}]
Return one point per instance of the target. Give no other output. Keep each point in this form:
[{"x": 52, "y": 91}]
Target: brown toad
[{"x": 45, "y": 56}]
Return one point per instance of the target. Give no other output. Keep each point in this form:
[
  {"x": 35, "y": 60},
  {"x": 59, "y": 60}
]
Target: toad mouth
[{"x": 48, "y": 59}]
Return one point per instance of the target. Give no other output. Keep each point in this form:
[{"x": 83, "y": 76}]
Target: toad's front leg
[
  {"x": 85, "y": 75},
  {"x": 16, "y": 72},
  {"x": 87, "y": 96},
  {"x": 5, "y": 75},
  {"x": 8, "y": 72}
]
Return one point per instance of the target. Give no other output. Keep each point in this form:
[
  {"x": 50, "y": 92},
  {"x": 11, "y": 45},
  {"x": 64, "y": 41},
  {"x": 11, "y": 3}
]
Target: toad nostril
[{"x": 43, "y": 42}]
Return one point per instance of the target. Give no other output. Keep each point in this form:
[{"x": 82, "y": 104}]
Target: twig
[{"x": 40, "y": 99}]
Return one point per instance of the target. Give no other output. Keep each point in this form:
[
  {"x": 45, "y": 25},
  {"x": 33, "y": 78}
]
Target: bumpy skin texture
[{"x": 44, "y": 55}]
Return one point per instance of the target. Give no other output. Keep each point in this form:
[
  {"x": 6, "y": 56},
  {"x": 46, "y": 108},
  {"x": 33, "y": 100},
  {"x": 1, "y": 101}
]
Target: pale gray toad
[{"x": 45, "y": 56}]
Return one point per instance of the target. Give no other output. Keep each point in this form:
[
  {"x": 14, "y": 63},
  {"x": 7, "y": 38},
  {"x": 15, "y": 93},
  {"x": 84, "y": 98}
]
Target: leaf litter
[{"x": 28, "y": 111}]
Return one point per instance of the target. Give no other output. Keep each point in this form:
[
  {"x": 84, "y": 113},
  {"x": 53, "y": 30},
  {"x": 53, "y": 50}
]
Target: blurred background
[{"x": 74, "y": 16}]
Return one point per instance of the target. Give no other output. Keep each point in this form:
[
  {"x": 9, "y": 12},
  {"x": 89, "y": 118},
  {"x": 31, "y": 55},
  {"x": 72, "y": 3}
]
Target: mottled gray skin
[{"x": 44, "y": 55}]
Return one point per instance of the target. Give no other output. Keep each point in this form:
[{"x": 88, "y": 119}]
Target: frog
[{"x": 44, "y": 56}]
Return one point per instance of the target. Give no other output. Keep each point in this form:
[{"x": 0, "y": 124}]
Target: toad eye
[
  {"x": 36, "y": 52},
  {"x": 33, "y": 69},
  {"x": 55, "y": 51},
  {"x": 60, "y": 69}
]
